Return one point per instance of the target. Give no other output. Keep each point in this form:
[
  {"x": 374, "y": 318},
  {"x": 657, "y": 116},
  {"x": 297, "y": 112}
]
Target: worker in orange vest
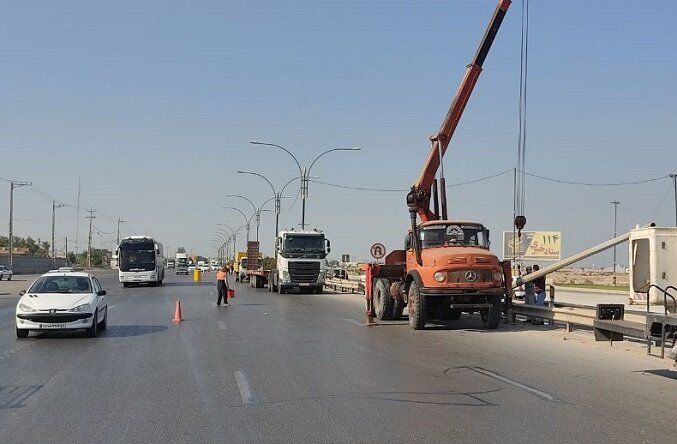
[{"x": 222, "y": 286}]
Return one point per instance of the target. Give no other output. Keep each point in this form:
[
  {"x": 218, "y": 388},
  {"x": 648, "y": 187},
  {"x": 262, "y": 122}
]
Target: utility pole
[
  {"x": 12, "y": 184},
  {"x": 91, "y": 217},
  {"x": 68, "y": 262},
  {"x": 54, "y": 207},
  {"x": 674, "y": 182},
  {"x": 120, "y": 221},
  {"x": 615, "y": 203}
]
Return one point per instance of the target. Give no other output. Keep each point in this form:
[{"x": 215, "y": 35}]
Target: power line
[{"x": 589, "y": 184}]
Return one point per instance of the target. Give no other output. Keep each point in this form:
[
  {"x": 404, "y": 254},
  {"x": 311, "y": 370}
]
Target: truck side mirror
[{"x": 326, "y": 241}]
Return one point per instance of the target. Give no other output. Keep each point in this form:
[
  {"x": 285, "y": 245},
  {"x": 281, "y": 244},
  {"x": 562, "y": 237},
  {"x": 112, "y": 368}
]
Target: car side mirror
[
  {"x": 22, "y": 292},
  {"x": 101, "y": 293}
]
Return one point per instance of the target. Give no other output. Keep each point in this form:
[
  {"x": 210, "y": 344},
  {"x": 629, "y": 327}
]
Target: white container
[{"x": 653, "y": 261}]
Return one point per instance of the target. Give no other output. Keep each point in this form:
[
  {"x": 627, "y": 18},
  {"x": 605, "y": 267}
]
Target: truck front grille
[{"x": 304, "y": 272}]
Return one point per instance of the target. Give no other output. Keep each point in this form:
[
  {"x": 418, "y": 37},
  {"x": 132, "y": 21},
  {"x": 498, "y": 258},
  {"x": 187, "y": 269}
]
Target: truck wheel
[
  {"x": 282, "y": 289},
  {"x": 319, "y": 290},
  {"x": 398, "y": 307},
  {"x": 455, "y": 314},
  {"x": 383, "y": 303},
  {"x": 491, "y": 319},
  {"x": 417, "y": 306}
]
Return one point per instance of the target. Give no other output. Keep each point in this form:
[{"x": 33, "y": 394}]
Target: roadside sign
[
  {"x": 533, "y": 245},
  {"x": 378, "y": 251},
  {"x": 345, "y": 258}
]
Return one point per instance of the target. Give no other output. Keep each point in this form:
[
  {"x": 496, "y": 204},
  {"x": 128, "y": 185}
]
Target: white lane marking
[
  {"x": 110, "y": 307},
  {"x": 501, "y": 378},
  {"x": 245, "y": 389},
  {"x": 222, "y": 325},
  {"x": 353, "y": 321}
]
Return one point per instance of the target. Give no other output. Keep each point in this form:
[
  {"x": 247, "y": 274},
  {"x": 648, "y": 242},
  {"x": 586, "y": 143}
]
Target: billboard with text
[{"x": 533, "y": 245}]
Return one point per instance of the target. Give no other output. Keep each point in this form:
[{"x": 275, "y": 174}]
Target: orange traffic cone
[{"x": 177, "y": 312}]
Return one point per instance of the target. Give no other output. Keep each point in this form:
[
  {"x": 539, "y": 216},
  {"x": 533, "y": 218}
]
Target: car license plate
[
  {"x": 46, "y": 326},
  {"x": 303, "y": 284}
]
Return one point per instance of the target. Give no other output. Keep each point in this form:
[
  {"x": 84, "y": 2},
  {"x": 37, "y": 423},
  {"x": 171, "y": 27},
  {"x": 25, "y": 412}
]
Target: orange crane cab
[{"x": 446, "y": 267}]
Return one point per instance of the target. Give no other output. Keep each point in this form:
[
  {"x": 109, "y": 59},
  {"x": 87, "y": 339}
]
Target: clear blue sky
[{"x": 152, "y": 105}]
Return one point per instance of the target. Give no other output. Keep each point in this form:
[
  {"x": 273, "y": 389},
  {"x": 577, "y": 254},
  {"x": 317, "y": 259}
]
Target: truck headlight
[
  {"x": 284, "y": 275},
  {"x": 440, "y": 276},
  {"x": 26, "y": 308},
  {"x": 498, "y": 276}
]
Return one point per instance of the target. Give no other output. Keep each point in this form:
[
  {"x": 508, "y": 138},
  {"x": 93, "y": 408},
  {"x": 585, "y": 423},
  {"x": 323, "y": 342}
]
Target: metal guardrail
[
  {"x": 568, "y": 314},
  {"x": 343, "y": 285}
]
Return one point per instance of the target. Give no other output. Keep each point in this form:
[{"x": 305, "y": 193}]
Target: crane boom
[{"x": 418, "y": 199}]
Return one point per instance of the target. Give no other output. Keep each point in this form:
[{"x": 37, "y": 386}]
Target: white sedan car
[{"x": 62, "y": 301}]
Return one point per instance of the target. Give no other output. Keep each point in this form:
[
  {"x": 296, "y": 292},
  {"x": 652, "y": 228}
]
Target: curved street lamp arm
[
  {"x": 329, "y": 151},
  {"x": 242, "y": 197},
  {"x": 282, "y": 148},
  {"x": 262, "y": 177},
  {"x": 290, "y": 181},
  {"x": 246, "y": 221}
]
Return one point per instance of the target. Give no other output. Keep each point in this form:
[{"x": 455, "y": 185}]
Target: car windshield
[
  {"x": 456, "y": 235},
  {"x": 61, "y": 284}
]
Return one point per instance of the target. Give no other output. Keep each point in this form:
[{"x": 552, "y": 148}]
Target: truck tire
[
  {"x": 455, "y": 314},
  {"x": 398, "y": 307},
  {"x": 383, "y": 303},
  {"x": 282, "y": 289},
  {"x": 492, "y": 318},
  {"x": 417, "y": 307},
  {"x": 319, "y": 290}
]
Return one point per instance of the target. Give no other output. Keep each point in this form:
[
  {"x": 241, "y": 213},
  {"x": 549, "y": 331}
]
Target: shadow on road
[
  {"x": 188, "y": 284},
  {"x": 113, "y": 331},
  {"x": 670, "y": 374}
]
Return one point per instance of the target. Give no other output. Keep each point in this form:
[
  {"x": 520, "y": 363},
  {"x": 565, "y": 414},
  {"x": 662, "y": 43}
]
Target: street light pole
[
  {"x": 54, "y": 207},
  {"x": 276, "y": 195},
  {"x": 12, "y": 184},
  {"x": 120, "y": 221},
  {"x": 674, "y": 182},
  {"x": 305, "y": 172},
  {"x": 246, "y": 221},
  {"x": 615, "y": 203}
]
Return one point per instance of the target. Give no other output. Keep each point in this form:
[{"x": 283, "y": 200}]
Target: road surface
[{"x": 304, "y": 369}]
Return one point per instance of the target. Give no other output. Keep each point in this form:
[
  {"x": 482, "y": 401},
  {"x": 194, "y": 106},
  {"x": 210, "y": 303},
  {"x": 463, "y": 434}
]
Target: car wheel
[
  {"x": 94, "y": 329},
  {"x": 1, "y": 277},
  {"x": 104, "y": 324},
  {"x": 9, "y": 278},
  {"x": 21, "y": 333}
]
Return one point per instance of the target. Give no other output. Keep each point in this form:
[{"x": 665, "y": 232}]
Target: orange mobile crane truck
[{"x": 446, "y": 267}]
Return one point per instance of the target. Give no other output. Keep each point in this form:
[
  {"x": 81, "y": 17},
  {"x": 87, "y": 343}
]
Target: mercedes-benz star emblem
[{"x": 470, "y": 276}]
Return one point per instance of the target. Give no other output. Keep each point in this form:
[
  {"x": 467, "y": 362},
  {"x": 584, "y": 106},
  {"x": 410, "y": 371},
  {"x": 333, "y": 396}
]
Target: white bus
[{"x": 140, "y": 260}]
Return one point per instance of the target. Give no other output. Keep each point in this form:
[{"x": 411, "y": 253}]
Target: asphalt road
[{"x": 303, "y": 368}]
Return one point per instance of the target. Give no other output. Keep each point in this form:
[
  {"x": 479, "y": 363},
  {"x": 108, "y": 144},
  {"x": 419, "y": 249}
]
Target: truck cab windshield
[
  {"x": 297, "y": 245},
  {"x": 454, "y": 235}
]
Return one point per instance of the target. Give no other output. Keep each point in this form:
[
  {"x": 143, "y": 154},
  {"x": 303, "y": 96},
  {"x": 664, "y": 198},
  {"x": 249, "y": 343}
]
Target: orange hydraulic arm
[{"x": 418, "y": 198}]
